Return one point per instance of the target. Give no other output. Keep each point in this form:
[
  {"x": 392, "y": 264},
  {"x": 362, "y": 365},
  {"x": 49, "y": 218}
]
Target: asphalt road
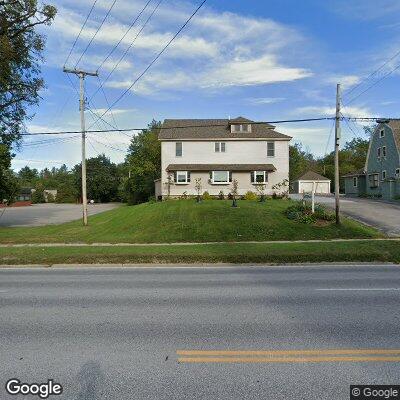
[
  {"x": 49, "y": 213},
  {"x": 113, "y": 333},
  {"x": 377, "y": 213}
]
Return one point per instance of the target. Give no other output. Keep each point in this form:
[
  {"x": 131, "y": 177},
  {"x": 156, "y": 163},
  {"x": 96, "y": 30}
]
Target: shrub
[
  {"x": 50, "y": 198},
  {"x": 307, "y": 218},
  {"x": 301, "y": 212},
  {"x": 221, "y": 195},
  {"x": 293, "y": 215},
  {"x": 38, "y": 196},
  {"x": 250, "y": 196},
  {"x": 207, "y": 196},
  {"x": 151, "y": 199}
]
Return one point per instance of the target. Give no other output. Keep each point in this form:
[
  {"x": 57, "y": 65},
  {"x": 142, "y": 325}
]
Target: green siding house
[{"x": 381, "y": 176}]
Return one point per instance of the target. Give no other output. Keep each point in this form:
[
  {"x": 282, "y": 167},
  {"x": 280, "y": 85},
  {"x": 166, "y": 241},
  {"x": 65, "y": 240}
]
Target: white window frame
[
  {"x": 220, "y": 147},
  {"x": 384, "y": 151},
  {"x": 241, "y": 128},
  {"x": 384, "y": 175},
  {"x": 382, "y": 133},
  {"x": 355, "y": 181},
  {"x": 274, "y": 149},
  {"x": 176, "y": 149},
  {"x": 222, "y": 182},
  {"x": 265, "y": 178},
  {"x": 177, "y": 177}
]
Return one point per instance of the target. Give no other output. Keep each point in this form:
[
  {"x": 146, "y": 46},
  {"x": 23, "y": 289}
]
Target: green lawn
[
  {"x": 187, "y": 221},
  {"x": 376, "y": 250}
]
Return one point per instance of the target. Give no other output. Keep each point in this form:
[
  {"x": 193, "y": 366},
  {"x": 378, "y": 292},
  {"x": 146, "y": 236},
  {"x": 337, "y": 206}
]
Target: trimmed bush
[
  {"x": 250, "y": 196},
  {"x": 207, "y": 196}
]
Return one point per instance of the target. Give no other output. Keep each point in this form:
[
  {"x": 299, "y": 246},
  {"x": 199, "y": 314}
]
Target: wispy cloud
[{"x": 264, "y": 100}]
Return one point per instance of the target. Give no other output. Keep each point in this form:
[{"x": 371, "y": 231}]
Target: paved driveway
[
  {"x": 45, "y": 214},
  {"x": 381, "y": 215}
]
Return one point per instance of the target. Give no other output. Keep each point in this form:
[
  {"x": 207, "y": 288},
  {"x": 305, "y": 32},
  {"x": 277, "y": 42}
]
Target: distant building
[
  {"x": 25, "y": 194},
  {"x": 311, "y": 180},
  {"x": 380, "y": 177}
]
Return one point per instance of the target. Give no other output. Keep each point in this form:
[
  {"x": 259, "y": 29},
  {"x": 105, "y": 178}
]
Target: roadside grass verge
[
  {"x": 186, "y": 221},
  {"x": 275, "y": 253}
]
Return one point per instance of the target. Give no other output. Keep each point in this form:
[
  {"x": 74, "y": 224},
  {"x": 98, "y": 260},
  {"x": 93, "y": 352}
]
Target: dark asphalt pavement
[{"x": 113, "y": 333}]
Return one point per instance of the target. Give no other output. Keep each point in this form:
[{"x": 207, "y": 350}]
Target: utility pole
[
  {"x": 337, "y": 140},
  {"x": 82, "y": 75}
]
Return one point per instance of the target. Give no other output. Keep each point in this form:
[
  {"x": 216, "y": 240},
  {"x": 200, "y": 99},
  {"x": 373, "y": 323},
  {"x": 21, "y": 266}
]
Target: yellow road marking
[
  {"x": 284, "y": 352},
  {"x": 285, "y": 359}
]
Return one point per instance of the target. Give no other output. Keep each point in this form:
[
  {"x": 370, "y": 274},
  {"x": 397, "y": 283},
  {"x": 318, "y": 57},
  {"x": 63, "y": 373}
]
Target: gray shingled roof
[
  {"x": 312, "y": 176},
  {"x": 176, "y": 129},
  {"x": 359, "y": 172},
  {"x": 220, "y": 167},
  {"x": 395, "y": 126}
]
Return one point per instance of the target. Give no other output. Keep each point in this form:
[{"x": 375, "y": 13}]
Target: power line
[
  {"x": 128, "y": 48},
  {"x": 178, "y": 127},
  {"x": 95, "y": 34},
  {"x": 155, "y": 59},
  {"x": 124, "y": 35},
  {"x": 79, "y": 34},
  {"x": 373, "y": 73},
  {"x": 374, "y": 84},
  {"x": 330, "y": 135},
  {"x": 109, "y": 146}
]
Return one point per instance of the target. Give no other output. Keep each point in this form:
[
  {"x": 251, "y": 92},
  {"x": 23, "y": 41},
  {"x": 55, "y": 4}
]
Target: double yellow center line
[{"x": 288, "y": 356}]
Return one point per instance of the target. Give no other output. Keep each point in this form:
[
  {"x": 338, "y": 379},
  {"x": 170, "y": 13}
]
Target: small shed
[{"x": 310, "y": 179}]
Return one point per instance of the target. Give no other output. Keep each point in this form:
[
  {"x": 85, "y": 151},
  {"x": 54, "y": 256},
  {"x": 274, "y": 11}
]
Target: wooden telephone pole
[
  {"x": 82, "y": 75},
  {"x": 337, "y": 140}
]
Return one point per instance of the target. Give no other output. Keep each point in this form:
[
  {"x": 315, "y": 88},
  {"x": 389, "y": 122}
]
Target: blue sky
[{"x": 266, "y": 60}]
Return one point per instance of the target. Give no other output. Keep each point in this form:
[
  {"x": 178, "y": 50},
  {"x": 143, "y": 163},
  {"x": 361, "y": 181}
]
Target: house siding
[
  {"x": 237, "y": 152},
  {"x": 352, "y": 191},
  {"x": 388, "y": 163}
]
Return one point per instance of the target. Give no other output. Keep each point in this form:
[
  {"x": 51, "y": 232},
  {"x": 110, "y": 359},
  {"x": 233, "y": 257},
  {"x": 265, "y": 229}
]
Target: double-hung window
[
  {"x": 241, "y": 128},
  {"x": 355, "y": 181},
  {"x": 270, "y": 149},
  {"x": 397, "y": 173},
  {"x": 382, "y": 133},
  {"x": 220, "y": 147},
  {"x": 259, "y": 177},
  {"x": 221, "y": 177},
  {"x": 182, "y": 177},
  {"x": 379, "y": 152},
  {"x": 384, "y": 151},
  {"x": 373, "y": 180},
  {"x": 178, "y": 149},
  {"x": 384, "y": 175}
]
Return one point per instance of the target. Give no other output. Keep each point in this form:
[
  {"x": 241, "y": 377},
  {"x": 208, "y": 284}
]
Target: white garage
[{"x": 310, "y": 180}]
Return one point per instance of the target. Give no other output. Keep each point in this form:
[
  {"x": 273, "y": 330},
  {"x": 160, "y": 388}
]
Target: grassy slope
[
  {"x": 231, "y": 252},
  {"x": 186, "y": 221}
]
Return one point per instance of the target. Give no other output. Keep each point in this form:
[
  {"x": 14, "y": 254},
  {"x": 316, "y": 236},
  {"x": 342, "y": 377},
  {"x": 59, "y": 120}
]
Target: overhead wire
[
  {"x": 156, "y": 58},
  {"x": 79, "y": 34},
  {"x": 127, "y": 49},
  {"x": 124, "y": 35},
  {"x": 95, "y": 34}
]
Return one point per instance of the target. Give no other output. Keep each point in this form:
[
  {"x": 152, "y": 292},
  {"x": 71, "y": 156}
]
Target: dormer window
[{"x": 236, "y": 128}]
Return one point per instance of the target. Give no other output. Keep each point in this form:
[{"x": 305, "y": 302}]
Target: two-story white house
[{"x": 218, "y": 151}]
